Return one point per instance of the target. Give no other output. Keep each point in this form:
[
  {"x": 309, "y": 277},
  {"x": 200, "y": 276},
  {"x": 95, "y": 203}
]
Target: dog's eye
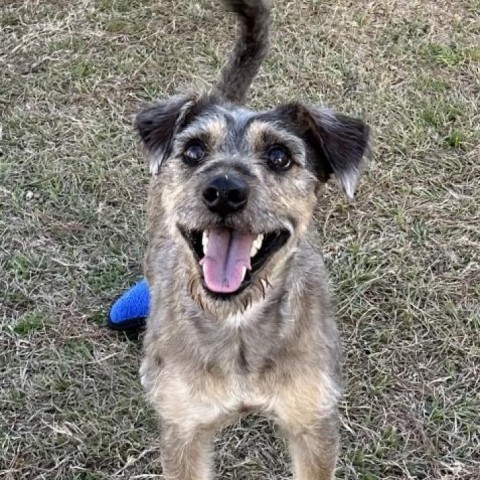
[
  {"x": 279, "y": 158},
  {"x": 194, "y": 152}
]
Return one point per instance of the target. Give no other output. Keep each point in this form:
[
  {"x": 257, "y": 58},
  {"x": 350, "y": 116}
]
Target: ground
[{"x": 404, "y": 258}]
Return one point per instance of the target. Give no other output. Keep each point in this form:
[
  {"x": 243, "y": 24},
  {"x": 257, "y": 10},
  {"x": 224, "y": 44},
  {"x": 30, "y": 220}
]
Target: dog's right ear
[{"x": 158, "y": 124}]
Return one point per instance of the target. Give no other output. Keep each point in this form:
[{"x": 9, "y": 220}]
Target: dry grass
[{"x": 404, "y": 259}]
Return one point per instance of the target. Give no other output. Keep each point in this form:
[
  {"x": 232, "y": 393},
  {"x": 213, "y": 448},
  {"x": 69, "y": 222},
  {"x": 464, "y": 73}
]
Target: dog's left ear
[
  {"x": 337, "y": 143},
  {"x": 340, "y": 144}
]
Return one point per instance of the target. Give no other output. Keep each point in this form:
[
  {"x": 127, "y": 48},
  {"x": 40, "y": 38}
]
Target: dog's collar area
[{"x": 261, "y": 248}]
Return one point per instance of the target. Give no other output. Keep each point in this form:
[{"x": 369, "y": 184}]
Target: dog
[{"x": 241, "y": 318}]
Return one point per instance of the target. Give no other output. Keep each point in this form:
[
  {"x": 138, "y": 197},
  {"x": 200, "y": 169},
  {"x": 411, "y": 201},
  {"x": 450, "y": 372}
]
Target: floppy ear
[
  {"x": 336, "y": 143},
  {"x": 158, "y": 124},
  {"x": 340, "y": 143}
]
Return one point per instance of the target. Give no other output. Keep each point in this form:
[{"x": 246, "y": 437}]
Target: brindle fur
[{"x": 272, "y": 348}]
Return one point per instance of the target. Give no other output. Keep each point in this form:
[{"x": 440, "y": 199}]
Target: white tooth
[
  {"x": 257, "y": 245},
  {"x": 244, "y": 272},
  {"x": 205, "y": 241}
]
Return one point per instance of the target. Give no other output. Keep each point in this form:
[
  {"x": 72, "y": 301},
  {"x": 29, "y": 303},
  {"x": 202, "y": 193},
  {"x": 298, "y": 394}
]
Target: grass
[{"x": 404, "y": 259}]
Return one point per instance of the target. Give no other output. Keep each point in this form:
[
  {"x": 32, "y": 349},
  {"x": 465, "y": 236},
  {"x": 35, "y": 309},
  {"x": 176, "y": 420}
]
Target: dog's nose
[{"x": 226, "y": 194}]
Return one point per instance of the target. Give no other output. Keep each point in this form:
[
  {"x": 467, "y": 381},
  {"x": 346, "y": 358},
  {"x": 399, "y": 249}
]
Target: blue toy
[{"x": 130, "y": 311}]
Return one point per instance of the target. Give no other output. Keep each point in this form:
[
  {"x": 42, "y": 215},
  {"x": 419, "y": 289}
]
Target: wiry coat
[{"x": 272, "y": 346}]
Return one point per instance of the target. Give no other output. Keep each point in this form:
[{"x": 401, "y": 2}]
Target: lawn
[{"x": 404, "y": 258}]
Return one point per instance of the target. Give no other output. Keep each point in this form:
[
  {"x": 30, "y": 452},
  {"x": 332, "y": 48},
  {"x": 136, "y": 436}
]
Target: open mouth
[{"x": 230, "y": 258}]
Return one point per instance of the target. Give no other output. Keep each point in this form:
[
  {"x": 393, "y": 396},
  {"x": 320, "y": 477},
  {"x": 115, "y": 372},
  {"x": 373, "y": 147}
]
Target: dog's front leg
[
  {"x": 186, "y": 454},
  {"x": 307, "y": 411},
  {"x": 314, "y": 449}
]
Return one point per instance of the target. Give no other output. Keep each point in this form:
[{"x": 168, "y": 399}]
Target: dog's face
[{"x": 237, "y": 189}]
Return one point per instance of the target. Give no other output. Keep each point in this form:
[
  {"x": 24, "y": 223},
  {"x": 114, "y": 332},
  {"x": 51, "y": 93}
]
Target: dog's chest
[
  {"x": 206, "y": 396},
  {"x": 235, "y": 379}
]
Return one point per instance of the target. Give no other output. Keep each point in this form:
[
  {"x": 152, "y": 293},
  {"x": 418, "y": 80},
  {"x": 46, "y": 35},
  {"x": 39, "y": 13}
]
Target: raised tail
[{"x": 249, "y": 51}]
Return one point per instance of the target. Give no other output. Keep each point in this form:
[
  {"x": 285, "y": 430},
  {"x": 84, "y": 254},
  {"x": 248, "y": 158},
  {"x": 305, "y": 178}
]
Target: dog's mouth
[{"x": 229, "y": 258}]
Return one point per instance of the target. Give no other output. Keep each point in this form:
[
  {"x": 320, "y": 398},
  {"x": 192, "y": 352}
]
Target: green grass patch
[
  {"x": 451, "y": 55},
  {"x": 31, "y": 322}
]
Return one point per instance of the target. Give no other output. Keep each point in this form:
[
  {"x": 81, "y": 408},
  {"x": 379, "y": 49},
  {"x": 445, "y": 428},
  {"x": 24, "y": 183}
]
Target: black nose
[{"x": 226, "y": 194}]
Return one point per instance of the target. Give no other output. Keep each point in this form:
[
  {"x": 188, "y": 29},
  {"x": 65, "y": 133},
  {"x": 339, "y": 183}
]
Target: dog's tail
[{"x": 249, "y": 51}]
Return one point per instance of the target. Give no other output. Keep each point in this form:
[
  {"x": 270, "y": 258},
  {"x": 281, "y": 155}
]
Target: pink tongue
[{"x": 228, "y": 253}]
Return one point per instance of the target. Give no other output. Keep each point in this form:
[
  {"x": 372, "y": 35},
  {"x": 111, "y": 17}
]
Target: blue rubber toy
[{"x": 131, "y": 310}]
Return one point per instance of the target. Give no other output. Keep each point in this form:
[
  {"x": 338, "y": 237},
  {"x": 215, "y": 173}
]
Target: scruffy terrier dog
[{"x": 241, "y": 319}]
